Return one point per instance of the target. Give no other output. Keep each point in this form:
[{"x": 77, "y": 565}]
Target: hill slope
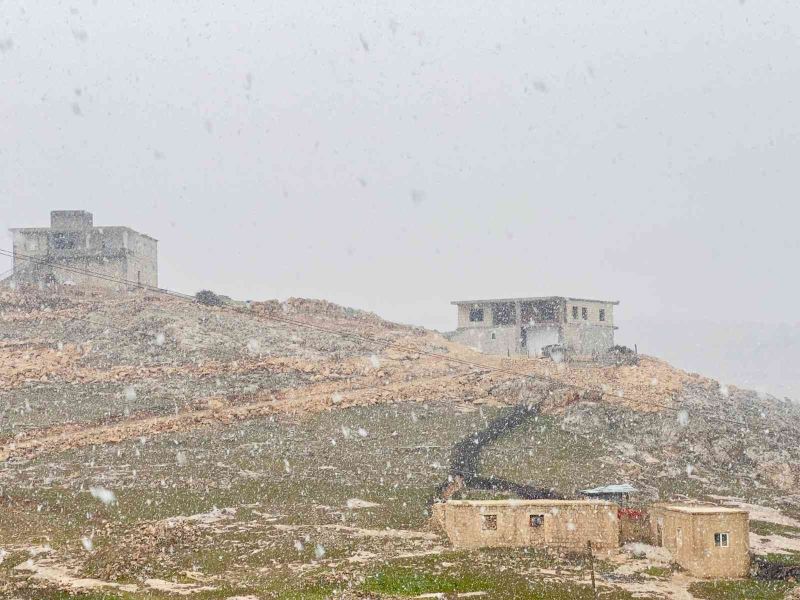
[{"x": 317, "y": 426}]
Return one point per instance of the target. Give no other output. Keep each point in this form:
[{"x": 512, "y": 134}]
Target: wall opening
[
  {"x": 489, "y": 522},
  {"x": 475, "y": 315},
  {"x": 504, "y": 313}
]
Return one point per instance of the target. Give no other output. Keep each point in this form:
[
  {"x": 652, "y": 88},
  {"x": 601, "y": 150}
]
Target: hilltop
[{"x": 271, "y": 429}]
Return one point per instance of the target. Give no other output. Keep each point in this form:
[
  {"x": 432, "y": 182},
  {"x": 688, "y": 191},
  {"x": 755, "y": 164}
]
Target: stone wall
[
  {"x": 561, "y": 524},
  {"x": 689, "y": 536}
]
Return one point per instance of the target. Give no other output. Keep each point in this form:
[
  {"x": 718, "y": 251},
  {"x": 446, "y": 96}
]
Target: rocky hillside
[{"x": 176, "y": 407}]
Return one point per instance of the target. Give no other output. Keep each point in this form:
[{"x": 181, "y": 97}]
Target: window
[
  {"x": 64, "y": 240},
  {"x": 489, "y": 522},
  {"x": 475, "y": 315},
  {"x": 585, "y": 313},
  {"x": 721, "y": 540},
  {"x": 536, "y": 520},
  {"x": 602, "y": 314},
  {"x": 574, "y": 312},
  {"x": 494, "y": 336}
]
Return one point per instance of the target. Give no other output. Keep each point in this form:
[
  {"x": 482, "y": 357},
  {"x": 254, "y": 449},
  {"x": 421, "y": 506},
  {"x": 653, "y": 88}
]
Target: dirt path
[{"x": 301, "y": 401}]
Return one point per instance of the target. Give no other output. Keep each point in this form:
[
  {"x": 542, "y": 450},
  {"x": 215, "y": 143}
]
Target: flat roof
[
  {"x": 43, "y": 229},
  {"x": 515, "y": 502},
  {"x": 532, "y": 299},
  {"x": 703, "y": 509}
]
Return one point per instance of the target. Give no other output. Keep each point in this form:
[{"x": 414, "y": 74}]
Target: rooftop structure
[
  {"x": 619, "y": 493},
  {"x": 72, "y": 251},
  {"x": 528, "y": 326}
]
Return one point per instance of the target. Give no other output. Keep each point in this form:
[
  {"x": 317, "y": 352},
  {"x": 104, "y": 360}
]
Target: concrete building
[
  {"x": 561, "y": 524},
  {"x": 515, "y": 326},
  {"x": 57, "y": 254},
  {"x": 708, "y": 541}
]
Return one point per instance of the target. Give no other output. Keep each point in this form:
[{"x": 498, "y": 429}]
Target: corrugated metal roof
[{"x": 617, "y": 488}]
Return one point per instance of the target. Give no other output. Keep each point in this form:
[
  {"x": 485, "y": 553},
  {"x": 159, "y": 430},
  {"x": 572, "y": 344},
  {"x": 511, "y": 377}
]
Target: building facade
[
  {"x": 72, "y": 246},
  {"x": 559, "y": 524},
  {"x": 708, "y": 541},
  {"x": 524, "y": 326}
]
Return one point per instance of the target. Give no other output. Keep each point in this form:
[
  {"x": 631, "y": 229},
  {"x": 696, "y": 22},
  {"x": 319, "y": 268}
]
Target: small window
[
  {"x": 476, "y": 315},
  {"x": 536, "y": 520},
  {"x": 585, "y": 313},
  {"x": 494, "y": 335},
  {"x": 489, "y": 522},
  {"x": 721, "y": 540},
  {"x": 574, "y": 312},
  {"x": 602, "y": 314}
]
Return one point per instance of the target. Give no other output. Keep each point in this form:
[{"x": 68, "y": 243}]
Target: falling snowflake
[
  {"x": 160, "y": 339},
  {"x": 130, "y": 393},
  {"x": 298, "y": 545},
  {"x": 683, "y": 418},
  {"x": 87, "y": 544},
  {"x": 181, "y": 459},
  {"x": 319, "y": 551},
  {"x": 253, "y": 346},
  {"x": 105, "y": 496}
]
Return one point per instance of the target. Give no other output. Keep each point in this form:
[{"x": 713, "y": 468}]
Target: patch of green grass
[
  {"x": 660, "y": 572},
  {"x": 790, "y": 560},
  {"x": 767, "y": 528},
  {"x": 745, "y": 589}
]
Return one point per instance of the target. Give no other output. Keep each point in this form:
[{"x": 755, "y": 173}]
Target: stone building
[
  {"x": 57, "y": 254},
  {"x": 560, "y": 524},
  {"x": 708, "y": 541},
  {"x": 514, "y": 326}
]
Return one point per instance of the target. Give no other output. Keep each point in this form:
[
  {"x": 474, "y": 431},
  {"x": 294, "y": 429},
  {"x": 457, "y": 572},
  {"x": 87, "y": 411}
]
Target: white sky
[{"x": 394, "y": 156}]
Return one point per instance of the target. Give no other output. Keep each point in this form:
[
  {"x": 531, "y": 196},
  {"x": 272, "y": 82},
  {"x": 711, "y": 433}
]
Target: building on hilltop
[
  {"x": 524, "y": 326},
  {"x": 58, "y": 254}
]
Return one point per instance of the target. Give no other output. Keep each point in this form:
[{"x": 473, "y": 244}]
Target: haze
[{"x": 396, "y": 156}]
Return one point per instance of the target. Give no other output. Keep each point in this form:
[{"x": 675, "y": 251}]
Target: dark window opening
[
  {"x": 504, "y": 313},
  {"x": 602, "y": 314},
  {"x": 494, "y": 336},
  {"x": 574, "y": 312},
  {"x": 536, "y": 520},
  {"x": 64, "y": 241},
  {"x": 475, "y": 315},
  {"x": 489, "y": 522},
  {"x": 721, "y": 540},
  {"x": 523, "y": 338},
  {"x": 585, "y": 313},
  {"x": 538, "y": 311}
]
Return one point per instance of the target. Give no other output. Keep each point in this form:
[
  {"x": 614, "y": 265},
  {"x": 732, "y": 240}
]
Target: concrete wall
[
  {"x": 592, "y": 312},
  {"x": 463, "y": 315},
  {"x": 586, "y": 338},
  {"x": 490, "y": 340},
  {"x": 539, "y": 336},
  {"x": 117, "y": 252},
  {"x": 689, "y": 536},
  {"x": 565, "y": 524}
]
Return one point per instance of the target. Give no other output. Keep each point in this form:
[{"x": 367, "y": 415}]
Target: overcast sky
[{"x": 396, "y": 155}]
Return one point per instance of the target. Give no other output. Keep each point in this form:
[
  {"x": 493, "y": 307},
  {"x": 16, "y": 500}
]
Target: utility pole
[{"x": 591, "y": 567}]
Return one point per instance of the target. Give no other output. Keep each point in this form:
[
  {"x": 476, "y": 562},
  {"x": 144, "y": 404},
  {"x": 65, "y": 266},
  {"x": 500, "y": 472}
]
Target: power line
[{"x": 362, "y": 337}]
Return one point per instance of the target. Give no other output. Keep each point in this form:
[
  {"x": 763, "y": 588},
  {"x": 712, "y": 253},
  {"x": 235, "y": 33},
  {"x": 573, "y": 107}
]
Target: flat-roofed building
[
  {"x": 74, "y": 251},
  {"x": 708, "y": 541},
  {"x": 514, "y": 326},
  {"x": 561, "y": 524}
]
